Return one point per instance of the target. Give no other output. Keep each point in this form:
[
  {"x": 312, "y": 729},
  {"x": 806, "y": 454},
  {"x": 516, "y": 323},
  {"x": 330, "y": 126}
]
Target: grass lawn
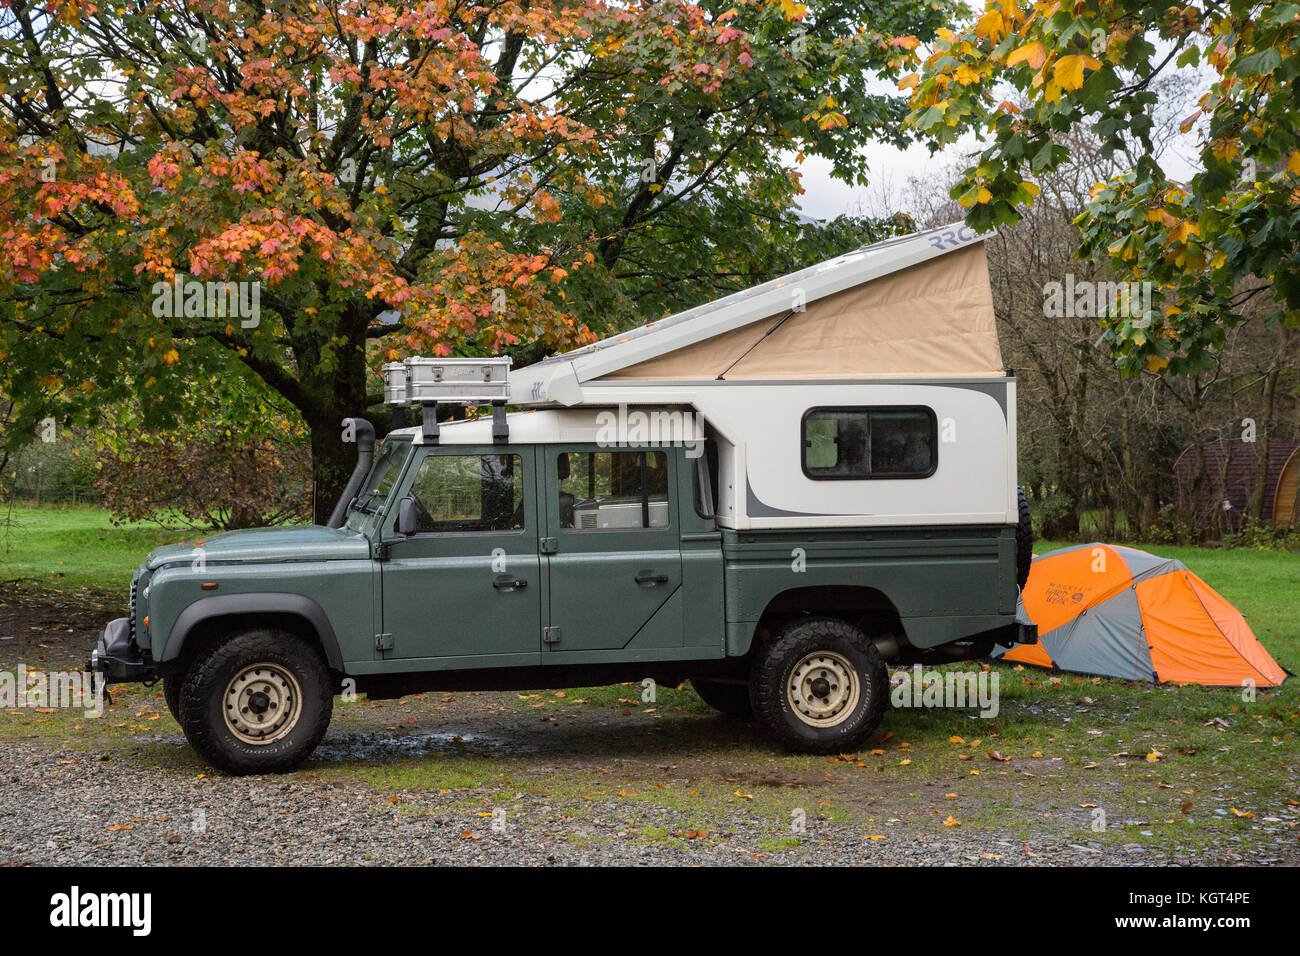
[{"x": 74, "y": 548}]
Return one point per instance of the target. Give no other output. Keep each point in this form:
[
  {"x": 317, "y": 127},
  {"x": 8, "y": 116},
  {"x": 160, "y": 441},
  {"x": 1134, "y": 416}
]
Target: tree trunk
[
  {"x": 1198, "y": 521},
  {"x": 332, "y": 462},
  {"x": 333, "y": 390},
  {"x": 1255, "y": 510}
]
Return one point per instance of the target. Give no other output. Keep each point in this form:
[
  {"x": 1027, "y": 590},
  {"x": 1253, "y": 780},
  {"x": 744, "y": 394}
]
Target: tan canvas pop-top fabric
[{"x": 935, "y": 318}]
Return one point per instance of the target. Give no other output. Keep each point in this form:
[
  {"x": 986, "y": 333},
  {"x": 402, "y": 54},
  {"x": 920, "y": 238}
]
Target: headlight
[{"x": 145, "y": 593}]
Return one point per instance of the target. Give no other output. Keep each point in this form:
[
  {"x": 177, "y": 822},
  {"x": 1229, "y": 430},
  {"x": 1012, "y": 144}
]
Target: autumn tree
[
  {"x": 1220, "y": 247},
  {"x": 508, "y": 176}
]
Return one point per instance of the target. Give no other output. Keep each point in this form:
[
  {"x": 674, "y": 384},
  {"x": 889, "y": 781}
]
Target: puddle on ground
[
  {"x": 351, "y": 745},
  {"x": 372, "y": 746}
]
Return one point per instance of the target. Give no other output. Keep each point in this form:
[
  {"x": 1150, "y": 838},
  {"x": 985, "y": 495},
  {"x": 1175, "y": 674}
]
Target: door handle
[
  {"x": 510, "y": 584},
  {"x": 649, "y": 577}
]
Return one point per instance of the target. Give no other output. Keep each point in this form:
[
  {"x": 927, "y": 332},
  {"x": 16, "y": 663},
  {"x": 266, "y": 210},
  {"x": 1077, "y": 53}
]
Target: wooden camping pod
[{"x": 1286, "y": 498}]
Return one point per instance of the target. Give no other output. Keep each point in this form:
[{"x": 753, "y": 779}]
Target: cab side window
[
  {"x": 468, "y": 493},
  {"x": 608, "y": 490}
]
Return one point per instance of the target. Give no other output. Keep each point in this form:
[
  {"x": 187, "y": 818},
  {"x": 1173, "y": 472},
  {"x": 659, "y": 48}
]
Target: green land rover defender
[{"x": 756, "y": 498}]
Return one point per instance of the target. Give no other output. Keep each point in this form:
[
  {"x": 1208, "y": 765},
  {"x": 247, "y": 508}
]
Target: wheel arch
[
  {"x": 861, "y": 605},
  {"x": 209, "y": 616}
]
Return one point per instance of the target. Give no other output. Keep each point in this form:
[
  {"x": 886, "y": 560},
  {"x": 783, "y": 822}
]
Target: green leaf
[{"x": 1260, "y": 62}]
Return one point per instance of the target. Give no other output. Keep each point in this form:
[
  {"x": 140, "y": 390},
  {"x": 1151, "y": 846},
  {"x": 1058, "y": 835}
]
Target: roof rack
[{"x": 450, "y": 381}]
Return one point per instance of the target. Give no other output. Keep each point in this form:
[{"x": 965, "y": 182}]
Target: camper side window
[{"x": 882, "y": 441}]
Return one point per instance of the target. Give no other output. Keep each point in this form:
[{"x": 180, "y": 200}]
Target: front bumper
[{"x": 116, "y": 659}]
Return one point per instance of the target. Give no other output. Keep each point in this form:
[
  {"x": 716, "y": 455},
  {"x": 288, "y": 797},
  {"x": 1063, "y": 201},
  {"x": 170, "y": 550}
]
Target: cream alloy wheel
[
  {"x": 824, "y": 689},
  {"x": 262, "y": 703}
]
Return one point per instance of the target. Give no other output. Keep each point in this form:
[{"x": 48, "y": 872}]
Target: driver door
[{"x": 465, "y": 590}]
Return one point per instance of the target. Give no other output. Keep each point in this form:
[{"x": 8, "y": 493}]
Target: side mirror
[{"x": 406, "y": 523}]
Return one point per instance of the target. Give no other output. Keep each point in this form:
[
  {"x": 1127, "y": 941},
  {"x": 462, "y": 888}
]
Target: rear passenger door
[{"x": 612, "y": 549}]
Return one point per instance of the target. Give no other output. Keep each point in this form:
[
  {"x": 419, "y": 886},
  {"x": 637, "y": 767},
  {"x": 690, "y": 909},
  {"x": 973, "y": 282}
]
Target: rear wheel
[
  {"x": 259, "y": 702},
  {"x": 820, "y": 686},
  {"x": 730, "y": 699}
]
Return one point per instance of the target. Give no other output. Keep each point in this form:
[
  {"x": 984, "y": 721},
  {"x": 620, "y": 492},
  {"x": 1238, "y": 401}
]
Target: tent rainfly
[{"x": 1119, "y": 612}]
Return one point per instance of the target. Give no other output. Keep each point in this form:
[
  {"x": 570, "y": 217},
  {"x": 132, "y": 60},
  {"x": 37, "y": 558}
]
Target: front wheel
[
  {"x": 172, "y": 695},
  {"x": 820, "y": 686},
  {"x": 259, "y": 702}
]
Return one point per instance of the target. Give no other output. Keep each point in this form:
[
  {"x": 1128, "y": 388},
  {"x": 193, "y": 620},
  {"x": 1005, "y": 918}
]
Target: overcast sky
[{"x": 891, "y": 168}]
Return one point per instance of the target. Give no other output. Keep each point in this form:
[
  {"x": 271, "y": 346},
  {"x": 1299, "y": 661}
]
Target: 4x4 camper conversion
[{"x": 773, "y": 495}]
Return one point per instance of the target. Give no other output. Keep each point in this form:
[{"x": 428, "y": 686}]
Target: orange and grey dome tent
[{"x": 1119, "y": 612}]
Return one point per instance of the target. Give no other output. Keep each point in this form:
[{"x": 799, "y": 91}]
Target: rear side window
[
  {"x": 882, "y": 441},
  {"x": 606, "y": 491}
]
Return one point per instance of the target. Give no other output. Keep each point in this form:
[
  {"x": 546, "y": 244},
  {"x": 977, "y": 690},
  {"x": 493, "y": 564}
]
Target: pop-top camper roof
[{"x": 915, "y": 307}]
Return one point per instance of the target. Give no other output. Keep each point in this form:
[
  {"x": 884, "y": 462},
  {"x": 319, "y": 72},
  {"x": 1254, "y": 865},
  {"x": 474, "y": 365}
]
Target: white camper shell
[{"x": 896, "y": 338}]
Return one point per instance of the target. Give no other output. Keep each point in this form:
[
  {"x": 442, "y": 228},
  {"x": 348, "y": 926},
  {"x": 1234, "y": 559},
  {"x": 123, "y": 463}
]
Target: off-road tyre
[
  {"x": 1024, "y": 540},
  {"x": 786, "y": 670},
  {"x": 296, "y": 690},
  {"x": 172, "y": 694},
  {"x": 730, "y": 699}
]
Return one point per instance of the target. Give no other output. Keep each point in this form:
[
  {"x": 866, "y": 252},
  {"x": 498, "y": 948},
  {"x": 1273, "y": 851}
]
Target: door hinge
[
  {"x": 549, "y": 545},
  {"x": 381, "y": 551},
  {"x": 550, "y": 635},
  {"x": 383, "y": 642}
]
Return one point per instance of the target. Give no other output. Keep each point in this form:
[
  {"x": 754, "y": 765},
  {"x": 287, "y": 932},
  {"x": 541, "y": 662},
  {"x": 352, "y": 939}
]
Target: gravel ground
[
  {"x": 65, "y": 807},
  {"x": 417, "y": 781}
]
